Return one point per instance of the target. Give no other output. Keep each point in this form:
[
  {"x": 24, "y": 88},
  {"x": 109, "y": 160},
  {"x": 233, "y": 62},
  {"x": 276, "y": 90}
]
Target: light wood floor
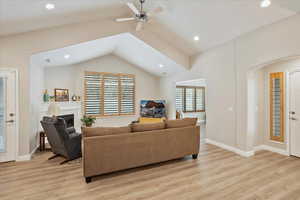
[{"x": 216, "y": 175}]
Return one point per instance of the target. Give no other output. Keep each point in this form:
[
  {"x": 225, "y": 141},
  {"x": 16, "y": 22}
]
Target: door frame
[
  {"x": 17, "y": 108},
  {"x": 288, "y": 92}
]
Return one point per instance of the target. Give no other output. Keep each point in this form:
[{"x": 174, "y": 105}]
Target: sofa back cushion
[
  {"x": 146, "y": 120},
  {"x": 102, "y": 131},
  {"x": 137, "y": 127},
  {"x": 178, "y": 123}
]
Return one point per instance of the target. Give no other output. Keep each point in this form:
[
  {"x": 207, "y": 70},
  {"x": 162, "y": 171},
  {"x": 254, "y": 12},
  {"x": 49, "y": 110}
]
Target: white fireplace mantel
[{"x": 66, "y": 109}]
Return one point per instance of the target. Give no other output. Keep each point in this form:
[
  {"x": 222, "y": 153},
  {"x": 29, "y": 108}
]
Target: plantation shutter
[
  {"x": 189, "y": 99},
  {"x": 127, "y": 84},
  {"x": 180, "y": 99},
  {"x": 93, "y": 94},
  {"x": 111, "y": 94},
  {"x": 277, "y": 106},
  {"x": 200, "y": 99}
]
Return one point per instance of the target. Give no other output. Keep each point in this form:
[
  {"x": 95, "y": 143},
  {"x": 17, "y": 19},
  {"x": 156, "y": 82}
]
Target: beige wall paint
[
  {"x": 71, "y": 77},
  {"x": 16, "y": 50},
  {"x": 226, "y": 69}
]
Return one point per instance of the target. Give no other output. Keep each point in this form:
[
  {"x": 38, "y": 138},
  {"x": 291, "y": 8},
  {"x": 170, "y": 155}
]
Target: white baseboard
[
  {"x": 273, "y": 149},
  {"x": 27, "y": 157},
  {"x": 230, "y": 148}
]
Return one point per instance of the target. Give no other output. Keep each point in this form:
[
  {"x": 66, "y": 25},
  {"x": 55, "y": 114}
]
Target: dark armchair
[{"x": 64, "y": 141}]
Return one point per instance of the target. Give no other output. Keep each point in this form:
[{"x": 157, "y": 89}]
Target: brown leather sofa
[{"x": 108, "y": 150}]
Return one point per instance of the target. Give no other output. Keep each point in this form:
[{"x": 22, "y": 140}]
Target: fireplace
[{"x": 69, "y": 119}]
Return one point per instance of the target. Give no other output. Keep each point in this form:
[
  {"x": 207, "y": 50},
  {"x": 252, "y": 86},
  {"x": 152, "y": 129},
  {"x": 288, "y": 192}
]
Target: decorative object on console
[
  {"x": 53, "y": 109},
  {"x": 74, "y": 98},
  {"x": 88, "y": 121},
  {"x": 61, "y": 94},
  {"x": 153, "y": 108},
  {"x": 46, "y": 96}
]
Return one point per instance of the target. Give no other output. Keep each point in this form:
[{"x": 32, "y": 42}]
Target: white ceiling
[
  {"x": 123, "y": 45},
  {"x": 215, "y": 21},
  {"x": 195, "y": 82}
]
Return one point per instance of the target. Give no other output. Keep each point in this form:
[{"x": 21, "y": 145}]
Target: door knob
[
  {"x": 10, "y": 121},
  {"x": 292, "y": 112},
  {"x": 293, "y": 118}
]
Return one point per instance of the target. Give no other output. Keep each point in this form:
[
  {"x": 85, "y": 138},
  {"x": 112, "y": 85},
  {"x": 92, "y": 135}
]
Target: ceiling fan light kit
[{"x": 140, "y": 15}]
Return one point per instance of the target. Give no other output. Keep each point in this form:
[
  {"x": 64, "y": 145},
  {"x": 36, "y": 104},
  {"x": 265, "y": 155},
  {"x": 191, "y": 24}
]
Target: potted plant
[{"x": 88, "y": 121}]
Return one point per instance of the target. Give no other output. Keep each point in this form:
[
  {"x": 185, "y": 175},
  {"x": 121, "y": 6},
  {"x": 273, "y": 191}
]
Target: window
[
  {"x": 277, "y": 106},
  {"x": 190, "y": 99},
  {"x": 109, "y": 94}
]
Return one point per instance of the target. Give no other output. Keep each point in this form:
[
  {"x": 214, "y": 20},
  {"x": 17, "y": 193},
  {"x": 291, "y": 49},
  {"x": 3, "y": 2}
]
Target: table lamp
[{"x": 53, "y": 109}]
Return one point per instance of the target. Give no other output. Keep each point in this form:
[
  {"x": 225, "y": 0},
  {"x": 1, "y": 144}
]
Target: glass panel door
[{"x": 2, "y": 114}]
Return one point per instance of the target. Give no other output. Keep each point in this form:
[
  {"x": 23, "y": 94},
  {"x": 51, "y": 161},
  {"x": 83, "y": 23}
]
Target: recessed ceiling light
[
  {"x": 265, "y": 3},
  {"x": 49, "y": 6},
  {"x": 67, "y": 56},
  {"x": 196, "y": 38},
  {"x": 161, "y": 65}
]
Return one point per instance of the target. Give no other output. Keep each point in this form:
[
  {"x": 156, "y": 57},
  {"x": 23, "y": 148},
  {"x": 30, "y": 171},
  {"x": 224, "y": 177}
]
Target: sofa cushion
[
  {"x": 145, "y": 120},
  {"x": 137, "y": 127},
  {"x": 102, "y": 131},
  {"x": 181, "y": 122}
]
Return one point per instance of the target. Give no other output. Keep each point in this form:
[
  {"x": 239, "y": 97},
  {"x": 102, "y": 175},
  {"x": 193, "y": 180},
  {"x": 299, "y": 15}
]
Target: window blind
[
  {"x": 93, "y": 91},
  {"x": 127, "y": 94},
  {"x": 179, "y": 99},
  {"x": 109, "y": 94},
  {"x": 200, "y": 99},
  {"x": 190, "y": 99}
]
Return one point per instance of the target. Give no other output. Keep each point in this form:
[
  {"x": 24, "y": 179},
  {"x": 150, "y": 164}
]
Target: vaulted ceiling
[
  {"x": 124, "y": 45},
  {"x": 214, "y": 21}
]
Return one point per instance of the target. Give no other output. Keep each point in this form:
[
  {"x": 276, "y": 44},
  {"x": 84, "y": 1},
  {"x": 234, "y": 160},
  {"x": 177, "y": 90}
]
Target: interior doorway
[
  {"x": 274, "y": 107},
  {"x": 8, "y": 115},
  {"x": 191, "y": 102}
]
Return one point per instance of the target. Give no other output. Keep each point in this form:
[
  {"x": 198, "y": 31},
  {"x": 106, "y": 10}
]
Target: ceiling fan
[{"x": 140, "y": 15}]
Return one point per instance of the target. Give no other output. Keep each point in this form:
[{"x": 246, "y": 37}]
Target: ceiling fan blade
[
  {"x": 133, "y": 8},
  {"x": 155, "y": 11},
  {"x": 139, "y": 26},
  {"x": 125, "y": 19}
]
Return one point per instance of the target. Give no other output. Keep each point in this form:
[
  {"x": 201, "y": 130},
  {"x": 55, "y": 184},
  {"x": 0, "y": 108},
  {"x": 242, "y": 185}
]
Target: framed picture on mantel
[{"x": 61, "y": 94}]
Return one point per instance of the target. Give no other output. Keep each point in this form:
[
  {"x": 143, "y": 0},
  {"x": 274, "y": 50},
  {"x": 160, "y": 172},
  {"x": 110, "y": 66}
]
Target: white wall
[
  {"x": 71, "y": 77},
  {"x": 37, "y": 78}
]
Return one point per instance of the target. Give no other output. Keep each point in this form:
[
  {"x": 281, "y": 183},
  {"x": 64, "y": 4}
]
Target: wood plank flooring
[{"x": 216, "y": 175}]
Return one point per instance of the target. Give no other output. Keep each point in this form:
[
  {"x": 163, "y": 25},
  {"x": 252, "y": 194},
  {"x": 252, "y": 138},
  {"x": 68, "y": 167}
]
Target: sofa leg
[
  {"x": 195, "y": 156},
  {"x": 88, "y": 179}
]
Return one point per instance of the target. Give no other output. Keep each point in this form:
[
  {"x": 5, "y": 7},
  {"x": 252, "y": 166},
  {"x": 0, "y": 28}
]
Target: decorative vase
[
  {"x": 46, "y": 96},
  {"x": 74, "y": 98}
]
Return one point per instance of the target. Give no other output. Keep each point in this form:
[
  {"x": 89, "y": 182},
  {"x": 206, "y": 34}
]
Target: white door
[
  {"x": 295, "y": 113},
  {"x": 8, "y": 127}
]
